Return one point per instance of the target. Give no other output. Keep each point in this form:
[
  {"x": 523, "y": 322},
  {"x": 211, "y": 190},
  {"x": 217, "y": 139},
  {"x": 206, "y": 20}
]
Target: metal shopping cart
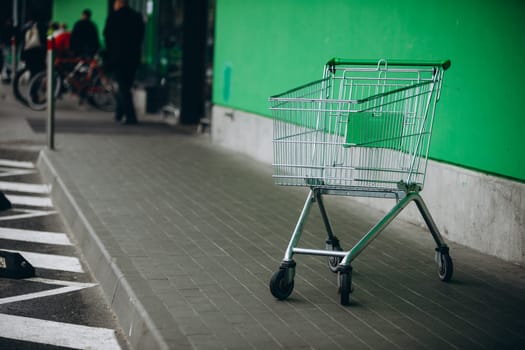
[{"x": 364, "y": 129}]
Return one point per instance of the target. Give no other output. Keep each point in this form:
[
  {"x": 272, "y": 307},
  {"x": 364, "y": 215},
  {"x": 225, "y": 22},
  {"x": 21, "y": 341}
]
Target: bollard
[{"x": 50, "y": 93}]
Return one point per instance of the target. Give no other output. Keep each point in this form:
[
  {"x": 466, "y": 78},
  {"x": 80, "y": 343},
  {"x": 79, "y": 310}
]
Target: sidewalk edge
[{"x": 137, "y": 325}]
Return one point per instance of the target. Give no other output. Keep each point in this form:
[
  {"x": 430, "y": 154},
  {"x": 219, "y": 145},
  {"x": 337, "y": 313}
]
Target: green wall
[
  {"x": 266, "y": 47},
  {"x": 69, "y": 11}
]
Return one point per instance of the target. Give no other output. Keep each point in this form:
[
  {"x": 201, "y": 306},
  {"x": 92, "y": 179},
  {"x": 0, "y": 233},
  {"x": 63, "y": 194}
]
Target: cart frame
[{"x": 363, "y": 130}]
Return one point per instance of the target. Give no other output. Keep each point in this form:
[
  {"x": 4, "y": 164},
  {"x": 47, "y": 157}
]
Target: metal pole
[
  {"x": 15, "y": 13},
  {"x": 50, "y": 94},
  {"x": 378, "y": 228},
  {"x": 14, "y": 57},
  {"x": 296, "y": 235}
]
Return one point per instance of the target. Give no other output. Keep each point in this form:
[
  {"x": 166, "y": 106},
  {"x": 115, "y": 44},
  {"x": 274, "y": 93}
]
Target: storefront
[{"x": 167, "y": 24}]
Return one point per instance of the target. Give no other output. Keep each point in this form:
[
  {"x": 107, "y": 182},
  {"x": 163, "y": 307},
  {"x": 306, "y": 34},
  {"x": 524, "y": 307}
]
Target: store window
[{"x": 162, "y": 71}]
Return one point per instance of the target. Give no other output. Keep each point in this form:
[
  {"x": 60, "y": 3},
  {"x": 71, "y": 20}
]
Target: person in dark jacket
[
  {"x": 84, "y": 36},
  {"x": 123, "y": 33}
]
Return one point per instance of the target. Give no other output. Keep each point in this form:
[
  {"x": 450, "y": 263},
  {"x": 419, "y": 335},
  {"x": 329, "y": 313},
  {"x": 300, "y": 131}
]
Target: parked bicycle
[
  {"x": 21, "y": 80},
  {"x": 82, "y": 77}
]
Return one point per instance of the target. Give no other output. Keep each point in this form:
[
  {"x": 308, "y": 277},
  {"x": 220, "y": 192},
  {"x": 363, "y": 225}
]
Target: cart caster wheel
[
  {"x": 345, "y": 282},
  {"x": 445, "y": 265},
  {"x": 280, "y": 288},
  {"x": 334, "y": 261}
]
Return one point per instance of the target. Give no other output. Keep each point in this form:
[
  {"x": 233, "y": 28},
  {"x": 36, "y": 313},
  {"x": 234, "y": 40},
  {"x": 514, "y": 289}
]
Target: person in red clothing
[{"x": 62, "y": 38}]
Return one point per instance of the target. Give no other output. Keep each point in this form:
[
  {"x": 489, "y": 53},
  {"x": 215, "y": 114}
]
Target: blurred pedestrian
[
  {"x": 7, "y": 33},
  {"x": 34, "y": 44},
  {"x": 52, "y": 28},
  {"x": 84, "y": 36},
  {"x": 62, "y": 40},
  {"x": 123, "y": 33}
]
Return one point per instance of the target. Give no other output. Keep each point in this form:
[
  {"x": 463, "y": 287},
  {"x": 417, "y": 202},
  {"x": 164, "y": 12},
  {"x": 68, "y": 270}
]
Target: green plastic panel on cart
[{"x": 368, "y": 129}]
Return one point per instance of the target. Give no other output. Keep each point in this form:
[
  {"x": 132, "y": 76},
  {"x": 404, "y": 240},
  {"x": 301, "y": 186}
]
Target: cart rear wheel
[
  {"x": 445, "y": 267},
  {"x": 345, "y": 282},
  {"x": 280, "y": 288}
]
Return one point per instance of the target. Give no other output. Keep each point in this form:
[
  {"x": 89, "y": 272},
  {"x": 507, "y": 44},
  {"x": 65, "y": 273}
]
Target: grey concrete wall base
[
  {"x": 477, "y": 210},
  {"x": 243, "y": 132},
  {"x": 480, "y": 211},
  {"x": 104, "y": 259}
]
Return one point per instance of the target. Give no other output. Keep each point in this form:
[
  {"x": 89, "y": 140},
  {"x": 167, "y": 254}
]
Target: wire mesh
[{"x": 358, "y": 127}]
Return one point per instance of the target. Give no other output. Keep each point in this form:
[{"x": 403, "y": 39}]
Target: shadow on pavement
[{"x": 83, "y": 126}]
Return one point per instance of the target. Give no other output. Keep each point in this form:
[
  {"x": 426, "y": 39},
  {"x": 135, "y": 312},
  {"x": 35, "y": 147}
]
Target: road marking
[
  {"x": 37, "y": 330},
  {"x": 30, "y": 201},
  {"x": 29, "y": 213},
  {"x": 59, "y": 282},
  {"x": 16, "y": 164},
  {"x": 24, "y": 187},
  {"x": 51, "y": 261},
  {"x": 67, "y": 287},
  {"x": 14, "y": 172},
  {"x": 34, "y": 236},
  {"x": 57, "y": 333}
]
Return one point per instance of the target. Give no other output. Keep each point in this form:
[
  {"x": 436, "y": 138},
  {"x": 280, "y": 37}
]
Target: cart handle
[{"x": 445, "y": 64}]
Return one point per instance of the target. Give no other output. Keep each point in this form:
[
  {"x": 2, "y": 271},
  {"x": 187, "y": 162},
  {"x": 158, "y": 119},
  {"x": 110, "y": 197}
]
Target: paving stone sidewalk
[{"x": 184, "y": 237}]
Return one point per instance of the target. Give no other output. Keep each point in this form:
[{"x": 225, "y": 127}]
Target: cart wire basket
[{"x": 364, "y": 129}]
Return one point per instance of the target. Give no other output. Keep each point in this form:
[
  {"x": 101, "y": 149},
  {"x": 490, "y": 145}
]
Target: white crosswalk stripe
[
  {"x": 66, "y": 287},
  {"x": 34, "y": 236},
  {"x": 24, "y": 187},
  {"x": 57, "y": 333},
  {"x": 17, "y": 164},
  {"x": 32, "y": 201},
  {"x": 4, "y": 172},
  {"x": 50, "y": 261},
  {"x": 16, "y": 214}
]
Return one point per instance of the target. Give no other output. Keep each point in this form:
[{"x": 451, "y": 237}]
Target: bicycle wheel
[
  {"x": 37, "y": 91},
  {"x": 101, "y": 94},
  {"x": 20, "y": 83}
]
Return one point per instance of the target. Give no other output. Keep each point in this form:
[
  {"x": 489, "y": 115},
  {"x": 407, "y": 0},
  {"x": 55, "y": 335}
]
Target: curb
[{"x": 134, "y": 320}]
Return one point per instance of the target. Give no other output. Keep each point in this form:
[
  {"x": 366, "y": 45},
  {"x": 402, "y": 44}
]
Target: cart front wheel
[
  {"x": 279, "y": 286},
  {"x": 445, "y": 266},
  {"x": 334, "y": 261},
  {"x": 345, "y": 282}
]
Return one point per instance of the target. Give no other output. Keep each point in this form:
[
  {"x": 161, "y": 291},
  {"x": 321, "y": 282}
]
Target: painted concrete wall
[
  {"x": 481, "y": 211},
  {"x": 476, "y": 182},
  {"x": 267, "y": 47}
]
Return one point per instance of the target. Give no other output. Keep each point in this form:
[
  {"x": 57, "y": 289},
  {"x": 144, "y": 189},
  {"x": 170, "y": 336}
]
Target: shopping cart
[{"x": 364, "y": 129}]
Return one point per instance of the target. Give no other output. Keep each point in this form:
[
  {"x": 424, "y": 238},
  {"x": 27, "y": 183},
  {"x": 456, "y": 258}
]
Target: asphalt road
[{"x": 62, "y": 307}]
